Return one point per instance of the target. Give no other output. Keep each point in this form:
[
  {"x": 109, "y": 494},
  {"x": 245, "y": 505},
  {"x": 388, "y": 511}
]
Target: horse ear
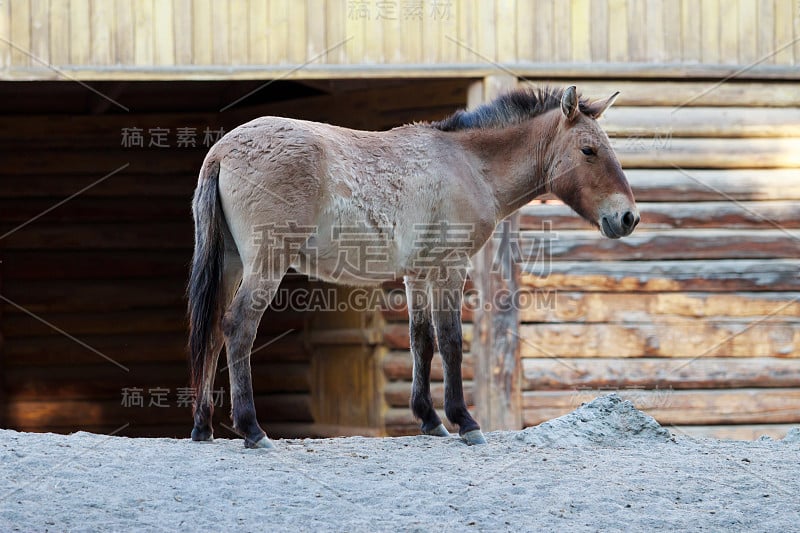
[
  {"x": 569, "y": 102},
  {"x": 596, "y": 109}
]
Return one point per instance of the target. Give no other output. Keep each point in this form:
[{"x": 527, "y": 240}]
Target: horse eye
[{"x": 588, "y": 151}]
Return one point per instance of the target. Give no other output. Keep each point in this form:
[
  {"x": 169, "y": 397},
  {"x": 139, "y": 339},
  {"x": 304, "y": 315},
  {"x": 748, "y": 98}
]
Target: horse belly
[{"x": 351, "y": 249}]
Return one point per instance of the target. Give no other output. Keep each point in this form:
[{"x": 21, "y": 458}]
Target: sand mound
[
  {"x": 605, "y": 421},
  {"x": 792, "y": 437}
]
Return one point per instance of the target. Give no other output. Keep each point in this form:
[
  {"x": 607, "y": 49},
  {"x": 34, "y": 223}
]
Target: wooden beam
[
  {"x": 496, "y": 347},
  {"x": 666, "y": 276},
  {"x": 346, "y": 366},
  {"x": 135, "y": 349},
  {"x": 545, "y": 373},
  {"x": 589, "y": 245},
  {"x": 688, "y": 153},
  {"x": 398, "y": 366},
  {"x": 690, "y": 407},
  {"x": 35, "y": 415},
  {"x": 103, "y": 381},
  {"x": 655, "y": 307},
  {"x": 395, "y": 336},
  {"x": 398, "y": 393},
  {"x": 664, "y": 122},
  {"x": 569, "y": 72},
  {"x": 778, "y": 337},
  {"x": 666, "y": 185},
  {"x": 662, "y": 215}
]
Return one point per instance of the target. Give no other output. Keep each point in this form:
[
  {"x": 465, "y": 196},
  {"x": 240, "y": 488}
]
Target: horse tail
[{"x": 205, "y": 280}]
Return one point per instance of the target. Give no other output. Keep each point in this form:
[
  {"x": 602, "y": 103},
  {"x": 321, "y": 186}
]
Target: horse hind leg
[
  {"x": 239, "y": 326},
  {"x": 204, "y": 402},
  {"x": 422, "y": 337}
]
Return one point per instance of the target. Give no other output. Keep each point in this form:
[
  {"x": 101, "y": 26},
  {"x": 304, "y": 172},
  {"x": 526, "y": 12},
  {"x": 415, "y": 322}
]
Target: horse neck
[{"x": 515, "y": 160}]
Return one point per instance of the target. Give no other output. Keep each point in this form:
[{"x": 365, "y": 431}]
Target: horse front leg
[
  {"x": 447, "y": 320},
  {"x": 422, "y": 338}
]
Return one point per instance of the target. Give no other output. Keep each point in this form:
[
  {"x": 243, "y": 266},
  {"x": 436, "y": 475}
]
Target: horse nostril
[{"x": 628, "y": 220}]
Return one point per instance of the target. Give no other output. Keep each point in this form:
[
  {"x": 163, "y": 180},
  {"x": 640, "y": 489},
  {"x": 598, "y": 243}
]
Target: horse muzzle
[{"x": 619, "y": 224}]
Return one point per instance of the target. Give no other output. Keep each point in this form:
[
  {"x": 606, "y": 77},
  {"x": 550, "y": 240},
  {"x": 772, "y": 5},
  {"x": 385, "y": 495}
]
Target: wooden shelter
[{"x": 108, "y": 108}]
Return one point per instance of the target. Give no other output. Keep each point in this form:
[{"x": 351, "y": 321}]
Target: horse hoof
[
  {"x": 202, "y": 435},
  {"x": 263, "y": 444},
  {"x": 473, "y": 437},
  {"x": 438, "y": 431}
]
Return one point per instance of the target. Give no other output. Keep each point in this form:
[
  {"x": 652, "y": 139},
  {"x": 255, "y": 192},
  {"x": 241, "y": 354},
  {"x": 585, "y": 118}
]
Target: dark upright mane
[{"x": 511, "y": 108}]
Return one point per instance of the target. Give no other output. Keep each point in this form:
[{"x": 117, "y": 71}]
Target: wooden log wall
[
  {"x": 696, "y": 316},
  {"x": 176, "y": 39},
  {"x": 96, "y": 283}
]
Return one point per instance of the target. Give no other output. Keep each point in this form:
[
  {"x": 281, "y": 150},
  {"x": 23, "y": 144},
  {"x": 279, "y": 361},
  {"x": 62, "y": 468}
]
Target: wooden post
[
  {"x": 346, "y": 373},
  {"x": 498, "y": 397}
]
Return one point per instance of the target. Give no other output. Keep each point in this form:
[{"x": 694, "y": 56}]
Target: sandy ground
[{"x": 604, "y": 467}]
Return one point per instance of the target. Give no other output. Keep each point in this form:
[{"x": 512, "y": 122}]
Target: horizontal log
[
  {"x": 690, "y": 407},
  {"x": 638, "y": 70},
  {"x": 395, "y": 336},
  {"x": 571, "y": 245},
  {"x": 695, "y": 93},
  {"x": 654, "y": 307},
  {"x": 400, "y": 314},
  {"x": 41, "y": 415},
  {"x": 94, "y": 265},
  {"x": 95, "y": 209},
  {"x": 398, "y": 393},
  {"x": 141, "y": 186},
  {"x": 141, "y": 322},
  {"x": 95, "y": 295},
  {"x": 636, "y": 152},
  {"x": 672, "y": 215},
  {"x": 393, "y": 96},
  {"x": 545, "y": 373},
  {"x": 173, "y": 235},
  {"x": 129, "y": 322},
  {"x": 109, "y": 130},
  {"x": 98, "y": 265},
  {"x": 666, "y": 276},
  {"x": 399, "y": 366},
  {"x": 99, "y": 381},
  {"x": 21, "y": 163},
  {"x": 400, "y": 421},
  {"x": 651, "y": 124},
  {"x": 137, "y": 349},
  {"x": 692, "y": 185},
  {"x": 344, "y": 336},
  {"x": 397, "y": 310},
  {"x": 692, "y": 338},
  {"x": 737, "y": 432}
]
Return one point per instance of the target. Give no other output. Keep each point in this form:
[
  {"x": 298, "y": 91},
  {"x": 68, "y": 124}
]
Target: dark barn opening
[{"x": 96, "y": 241}]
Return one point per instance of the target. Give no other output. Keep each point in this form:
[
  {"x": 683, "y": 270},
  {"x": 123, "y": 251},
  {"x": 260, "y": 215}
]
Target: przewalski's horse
[{"x": 470, "y": 170}]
